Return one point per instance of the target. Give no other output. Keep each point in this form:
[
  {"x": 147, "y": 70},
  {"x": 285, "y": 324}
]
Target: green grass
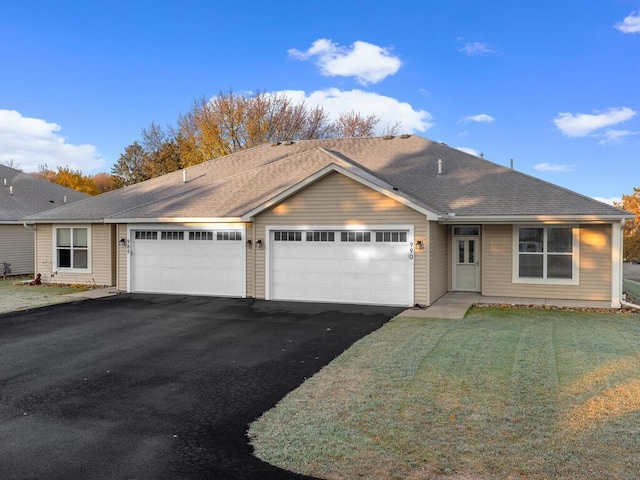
[
  {"x": 16, "y": 295},
  {"x": 504, "y": 393},
  {"x": 632, "y": 288}
]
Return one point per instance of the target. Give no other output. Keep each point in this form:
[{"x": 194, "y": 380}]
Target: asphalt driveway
[{"x": 157, "y": 387}]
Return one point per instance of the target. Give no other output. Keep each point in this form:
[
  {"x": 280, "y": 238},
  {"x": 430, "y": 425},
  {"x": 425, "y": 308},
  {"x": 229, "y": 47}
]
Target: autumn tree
[
  {"x": 230, "y": 122},
  {"x": 104, "y": 182},
  {"x": 631, "y": 203},
  {"x": 68, "y": 177}
]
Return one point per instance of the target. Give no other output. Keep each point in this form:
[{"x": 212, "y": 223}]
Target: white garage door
[
  {"x": 196, "y": 262},
  {"x": 366, "y": 267}
]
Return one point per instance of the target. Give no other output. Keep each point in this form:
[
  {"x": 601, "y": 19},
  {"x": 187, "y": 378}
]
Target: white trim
[
  {"x": 575, "y": 256},
  {"x": 542, "y": 219},
  {"x": 187, "y": 220},
  {"x": 270, "y": 228},
  {"x": 616, "y": 264},
  {"x": 248, "y": 217},
  {"x": 188, "y": 228},
  {"x": 56, "y": 268}
]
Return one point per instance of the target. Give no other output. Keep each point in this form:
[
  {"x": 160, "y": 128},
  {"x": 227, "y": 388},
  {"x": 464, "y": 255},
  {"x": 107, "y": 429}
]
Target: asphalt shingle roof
[
  {"x": 30, "y": 195},
  {"x": 238, "y": 183}
]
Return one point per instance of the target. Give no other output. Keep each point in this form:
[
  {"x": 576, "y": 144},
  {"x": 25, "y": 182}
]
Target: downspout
[{"x": 35, "y": 245}]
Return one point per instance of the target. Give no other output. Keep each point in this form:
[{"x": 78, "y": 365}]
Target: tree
[
  {"x": 230, "y": 122},
  {"x": 68, "y": 177},
  {"x": 631, "y": 203},
  {"x": 104, "y": 182},
  {"x": 131, "y": 166}
]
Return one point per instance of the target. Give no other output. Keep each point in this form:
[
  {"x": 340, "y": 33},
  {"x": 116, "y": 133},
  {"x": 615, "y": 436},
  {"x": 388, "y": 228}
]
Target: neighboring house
[
  {"x": 22, "y": 194},
  {"x": 387, "y": 220}
]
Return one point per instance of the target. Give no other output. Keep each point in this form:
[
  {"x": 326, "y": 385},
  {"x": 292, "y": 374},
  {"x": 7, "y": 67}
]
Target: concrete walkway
[
  {"x": 454, "y": 305},
  {"x": 94, "y": 293}
]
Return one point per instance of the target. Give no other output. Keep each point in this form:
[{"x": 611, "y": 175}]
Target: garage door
[
  {"x": 366, "y": 267},
  {"x": 196, "y": 262}
]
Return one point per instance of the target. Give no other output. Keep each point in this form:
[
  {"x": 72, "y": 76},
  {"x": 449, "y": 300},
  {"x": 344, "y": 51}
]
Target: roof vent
[
  {"x": 64, "y": 199},
  {"x": 511, "y": 161},
  {"x": 275, "y": 144},
  {"x": 439, "y": 166},
  {"x": 388, "y": 137},
  {"x": 289, "y": 142},
  {"x": 11, "y": 190},
  {"x": 5, "y": 182},
  {"x": 405, "y": 135},
  {"x": 481, "y": 154},
  {"x": 184, "y": 176}
]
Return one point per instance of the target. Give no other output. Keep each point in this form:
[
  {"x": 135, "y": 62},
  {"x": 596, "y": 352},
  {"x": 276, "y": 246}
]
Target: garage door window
[
  {"x": 200, "y": 235},
  {"x": 172, "y": 235},
  {"x": 287, "y": 236},
  {"x": 395, "y": 237},
  {"x": 232, "y": 235},
  {"x": 321, "y": 236},
  {"x": 146, "y": 235},
  {"x": 72, "y": 248},
  {"x": 355, "y": 236}
]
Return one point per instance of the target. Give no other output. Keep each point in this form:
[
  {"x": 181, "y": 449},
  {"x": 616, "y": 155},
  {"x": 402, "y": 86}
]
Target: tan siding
[
  {"x": 101, "y": 257},
  {"x": 595, "y": 266},
  {"x": 121, "y": 262},
  {"x": 251, "y": 255},
  {"x": 338, "y": 200},
  {"x": 438, "y": 255},
  {"x": 17, "y": 248}
]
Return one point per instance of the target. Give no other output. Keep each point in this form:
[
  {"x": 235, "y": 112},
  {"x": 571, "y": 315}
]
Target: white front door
[{"x": 466, "y": 264}]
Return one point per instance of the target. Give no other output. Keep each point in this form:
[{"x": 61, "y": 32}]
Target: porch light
[
  {"x": 249, "y": 244},
  {"x": 122, "y": 242},
  {"x": 259, "y": 243},
  {"x": 419, "y": 245}
]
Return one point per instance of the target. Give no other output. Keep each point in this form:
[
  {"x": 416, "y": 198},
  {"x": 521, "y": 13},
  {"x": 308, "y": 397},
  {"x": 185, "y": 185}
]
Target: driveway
[{"x": 157, "y": 387}]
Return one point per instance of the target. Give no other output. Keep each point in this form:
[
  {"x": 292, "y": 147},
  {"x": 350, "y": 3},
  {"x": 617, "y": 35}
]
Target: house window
[
  {"x": 200, "y": 235},
  {"x": 355, "y": 236},
  {"x": 321, "y": 236},
  {"x": 72, "y": 248},
  {"x": 231, "y": 235},
  {"x": 287, "y": 236},
  {"x": 546, "y": 253},
  {"x": 393, "y": 237},
  {"x": 172, "y": 235}
]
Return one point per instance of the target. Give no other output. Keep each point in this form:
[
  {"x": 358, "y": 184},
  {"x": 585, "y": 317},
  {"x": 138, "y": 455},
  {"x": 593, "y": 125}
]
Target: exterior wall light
[
  {"x": 249, "y": 243},
  {"x": 122, "y": 242},
  {"x": 419, "y": 245},
  {"x": 259, "y": 244}
]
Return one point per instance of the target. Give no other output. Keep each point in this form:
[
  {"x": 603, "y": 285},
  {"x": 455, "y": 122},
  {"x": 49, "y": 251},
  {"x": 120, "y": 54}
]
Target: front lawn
[
  {"x": 504, "y": 393},
  {"x": 16, "y": 294}
]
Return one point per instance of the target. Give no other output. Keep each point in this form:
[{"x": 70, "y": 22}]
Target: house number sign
[{"x": 411, "y": 251}]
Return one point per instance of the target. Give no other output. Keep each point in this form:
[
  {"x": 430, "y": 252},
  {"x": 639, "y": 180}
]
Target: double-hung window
[
  {"x": 546, "y": 254},
  {"x": 72, "y": 248}
]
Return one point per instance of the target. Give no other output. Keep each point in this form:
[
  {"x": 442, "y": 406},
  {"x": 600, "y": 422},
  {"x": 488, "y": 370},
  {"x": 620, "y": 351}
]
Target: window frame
[
  {"x": 575, "y": 255},
  {"x": 72, "y": 248}
]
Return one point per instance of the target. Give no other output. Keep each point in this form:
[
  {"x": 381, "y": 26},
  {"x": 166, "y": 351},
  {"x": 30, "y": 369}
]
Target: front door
[{"x": 466, "y": 263}]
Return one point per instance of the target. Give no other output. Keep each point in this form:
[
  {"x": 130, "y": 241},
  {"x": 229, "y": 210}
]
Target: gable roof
[
  {"x": 22, "y": 194},
  {"x": 239, "y": 185}
]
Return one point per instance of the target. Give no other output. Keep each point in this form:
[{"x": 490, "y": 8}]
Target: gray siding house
[
  {"x": 385, "y": 220},
  {"x": 21, "y": 195}
]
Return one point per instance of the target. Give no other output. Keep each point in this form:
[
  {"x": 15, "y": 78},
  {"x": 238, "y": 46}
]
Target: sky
[{"x": 553, "y": 85}]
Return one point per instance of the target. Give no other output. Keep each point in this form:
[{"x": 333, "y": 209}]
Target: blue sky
[{"x": 552, "y": 84}]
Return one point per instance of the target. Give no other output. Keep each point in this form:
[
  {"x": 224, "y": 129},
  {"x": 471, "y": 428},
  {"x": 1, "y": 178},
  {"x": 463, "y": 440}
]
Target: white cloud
[
  {"x": 609, "y": 201},
  {"x": 631, "y": 23},
  {"x": 470, "y": 151},
  {"x": 550, "y": 167},
  {"x": 389, "y": 110},
  {"x": 612, "y": 137},
  {"x": 582, "y": 124},
  {"x": 31, "y": 142},
  {"x": 366, "y": 62},
  {"x": 480, "y": 118},
  {"x": 473, "y": 49}
]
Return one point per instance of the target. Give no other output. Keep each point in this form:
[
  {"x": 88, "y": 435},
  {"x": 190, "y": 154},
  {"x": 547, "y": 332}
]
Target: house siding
[
  {"x": 17, "y": 248},
  {"x": 439, "y": 260},
  {"x": 341, "y": 201},
  {"x": 101, "y": 257},
  {"x": 121, "y": 259},
  {"x": 594, "y": 266}
]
